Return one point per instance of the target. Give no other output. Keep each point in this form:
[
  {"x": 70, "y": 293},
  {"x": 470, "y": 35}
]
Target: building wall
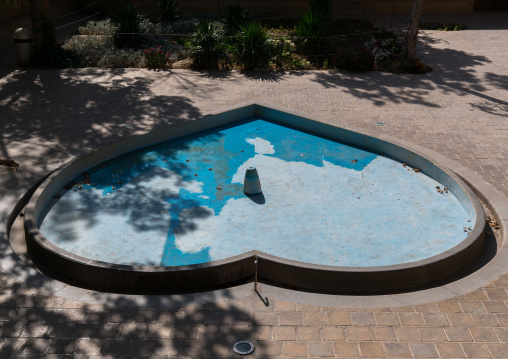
[
  {"x": 296, "y": 7},
  {"x": 490, "y": 5}
]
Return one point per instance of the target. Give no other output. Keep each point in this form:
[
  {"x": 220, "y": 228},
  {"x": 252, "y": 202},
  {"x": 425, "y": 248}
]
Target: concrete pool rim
[{"x": 286, "y": 272}]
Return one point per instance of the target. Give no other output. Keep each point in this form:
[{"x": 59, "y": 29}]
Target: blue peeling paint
[{"x": 210, "y": 160}]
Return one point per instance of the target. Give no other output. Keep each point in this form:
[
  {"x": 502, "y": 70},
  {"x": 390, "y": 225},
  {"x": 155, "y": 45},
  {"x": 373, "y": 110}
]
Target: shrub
[
  {"x": 285, "y": 58},
  {"x": 253, "y": 46},
  {"x": 386, "y": 46},
  {"x": 321, "y": 8},
  {"x": 156, "y": 58},
  {"x": 50, "y": 54},
  {"x": 357, "y": 58},
  {"x": 443, "y": 26},
  {"x": 184, "y": 26},
  {"x": 207, "y": 46},
  {"x": 169, "y": 10},
  {"x": 313, "y": 26},
  {"x": 234, "y": 17},
  {"x": 101, "y": 27},
  {"x": 100, "y": 51},
  {"x": 128, "y": 18}
]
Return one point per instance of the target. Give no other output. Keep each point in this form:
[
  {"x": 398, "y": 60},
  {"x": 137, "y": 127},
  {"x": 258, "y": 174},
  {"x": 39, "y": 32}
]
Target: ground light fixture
[{"x": 243, "y": 347}]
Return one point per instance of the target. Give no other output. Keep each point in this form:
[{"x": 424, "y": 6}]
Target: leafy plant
[
  {"x": 184, "y": 26},
  {"x": 101, "y": 27},
  {"x": 207, "y": 46},
  {"x": 235, "y": 16},
  {"x": 169, "y": 10},
  {"x": 313, "y": 26},
  {"x": 311, "y": 31},
  {"x": 443, "y": 26},
  {"x": 321, "y": 8},
  {"x": 100, "y": 51},
  {"x": 285, "y": 58},
  {"x": 128, "y": 18},
  {"x": 156, "y": 58},
  {"x": 253, "y": 46},
  {"x": 50, "y": 54},
  {"x": 386, "y": 46},
  {"x": 357, "y": 58}
]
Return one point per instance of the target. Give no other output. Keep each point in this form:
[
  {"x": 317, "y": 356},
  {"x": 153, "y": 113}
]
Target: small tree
[
  {"x": 408, "y": 55},
  {"x": 44, "y": 33}
]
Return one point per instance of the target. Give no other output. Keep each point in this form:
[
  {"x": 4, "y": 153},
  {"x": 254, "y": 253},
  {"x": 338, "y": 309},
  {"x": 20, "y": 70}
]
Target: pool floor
[{"x": 182, "y": 202}]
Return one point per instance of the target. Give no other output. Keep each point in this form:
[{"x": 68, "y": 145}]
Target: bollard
[{"x": 24, "y": 44}]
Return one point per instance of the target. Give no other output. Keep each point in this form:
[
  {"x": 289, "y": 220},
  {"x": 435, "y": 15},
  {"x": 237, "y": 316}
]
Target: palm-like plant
[
  {"x": 234, "y": 16},
  {"x": 208, "y": 46},
  {"x": 127, "y": 16},
  {"x": 253, "y": 47},
  {"x": 314, "y": 26}
]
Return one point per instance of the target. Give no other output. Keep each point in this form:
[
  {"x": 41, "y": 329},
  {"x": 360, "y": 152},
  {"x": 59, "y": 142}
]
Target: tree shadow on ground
[
  {"x": 34, "y": 323},
  {"x": 43, "y": 126},
  {"x": 454, "y": 73}
]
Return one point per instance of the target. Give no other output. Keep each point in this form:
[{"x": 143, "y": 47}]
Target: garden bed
[{"x": 235, "y": 39}]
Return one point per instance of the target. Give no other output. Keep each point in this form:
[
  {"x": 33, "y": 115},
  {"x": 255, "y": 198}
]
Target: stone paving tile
[
  {"x": 309, "y": 333},
  {"x": 476, "y": 350},
  {"x": 423, "y": 350},
  {"x": 346, "y": 349},
  {"x": 383, "y": 333}
]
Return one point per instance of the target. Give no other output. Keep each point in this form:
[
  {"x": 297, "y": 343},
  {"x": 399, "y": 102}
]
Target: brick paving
[{"x": 460, "y": 110}]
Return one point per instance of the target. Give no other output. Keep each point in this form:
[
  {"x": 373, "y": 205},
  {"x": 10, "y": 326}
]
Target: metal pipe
[{"x": 256, "y": 273}]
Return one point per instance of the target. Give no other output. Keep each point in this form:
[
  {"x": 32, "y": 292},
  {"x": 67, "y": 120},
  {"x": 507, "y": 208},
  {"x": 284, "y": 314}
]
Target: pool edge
[{"x": 213, "y": 274}]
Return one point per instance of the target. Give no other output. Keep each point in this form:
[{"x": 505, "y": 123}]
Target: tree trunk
[
  {"x": 39, "y": 12},
  {"x": 408, "y": 56}
]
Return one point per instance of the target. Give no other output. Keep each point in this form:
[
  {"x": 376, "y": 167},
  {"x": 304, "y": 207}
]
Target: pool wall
[{"x": 145, "y": 279}]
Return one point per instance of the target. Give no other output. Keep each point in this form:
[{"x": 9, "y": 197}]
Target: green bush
[
  {"x": 357, "y": 58},
  {"x": 443, "y": 26},
  {"x": 321, "y": 8},
  {"x": 100, "y": 51},
  {"x": 101, "y": 27},
  {"x": 313, "y": 26},
  {"x": 169, "y": 10},
  {"x": 285, "y": 58},
  {"x": 128, "y": 18},
  {"x": 253, "y": 46},
  {"x": 207, "y": 46},
  {"x": 156, "y": 58},
  {"x": 310, "y": 33},
  {"x": 234, "y": 17}
]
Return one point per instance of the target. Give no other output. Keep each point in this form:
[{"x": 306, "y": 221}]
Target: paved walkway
[{"x": 459, "y": 111}]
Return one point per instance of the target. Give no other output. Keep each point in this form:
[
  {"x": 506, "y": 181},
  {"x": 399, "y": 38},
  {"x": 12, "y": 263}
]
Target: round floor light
[{"x": 243, "y": 347}]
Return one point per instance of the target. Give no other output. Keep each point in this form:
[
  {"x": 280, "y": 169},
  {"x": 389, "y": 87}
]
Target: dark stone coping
[{"x": 241, "y": 268}]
